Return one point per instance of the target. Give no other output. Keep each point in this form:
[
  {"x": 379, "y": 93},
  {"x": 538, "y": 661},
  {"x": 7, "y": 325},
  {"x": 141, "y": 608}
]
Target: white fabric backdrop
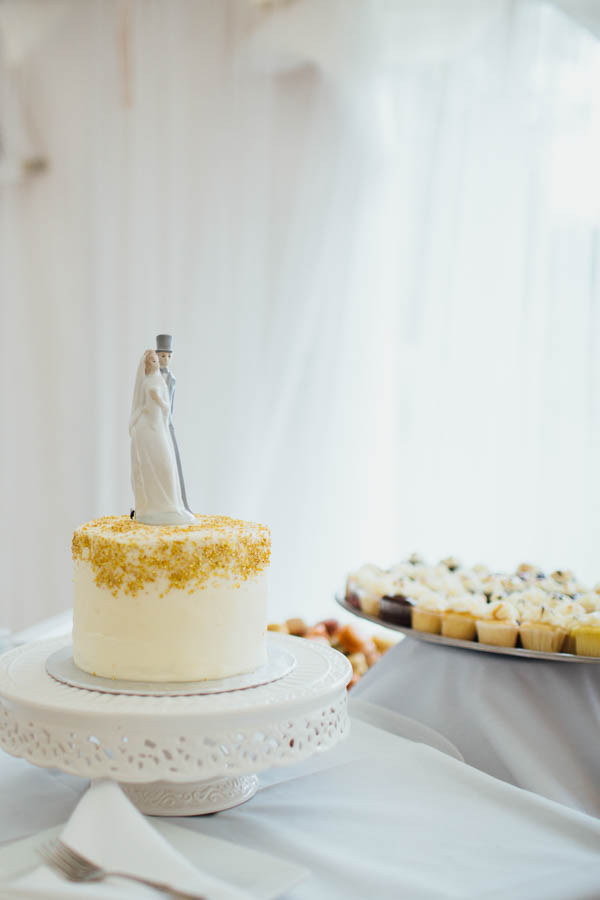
[{"x": 372, "y": 229}]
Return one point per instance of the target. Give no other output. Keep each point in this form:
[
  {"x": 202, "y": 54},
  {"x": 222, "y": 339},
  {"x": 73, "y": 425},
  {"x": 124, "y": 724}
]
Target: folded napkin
[{"x": 110, "y": 831}]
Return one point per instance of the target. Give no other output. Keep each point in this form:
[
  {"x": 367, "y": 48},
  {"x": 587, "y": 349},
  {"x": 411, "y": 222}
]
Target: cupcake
[
  {"x": 567, "y": 613},
  {"x": 542, "y": 628},
  {"x": 498, "y": 624},
  {"x": 396, "y": 608},
  {"x": 365, "y": 587},
  {"x": 460, "y": 615},
  {"x": 587, "y": 635},
  {"x": 572, "y": 613},
  {"x": 427, "y": 611}
]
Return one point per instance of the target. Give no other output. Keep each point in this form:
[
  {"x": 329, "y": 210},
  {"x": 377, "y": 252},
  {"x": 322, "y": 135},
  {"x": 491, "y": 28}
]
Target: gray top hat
[{"x": 164, "y": 343}]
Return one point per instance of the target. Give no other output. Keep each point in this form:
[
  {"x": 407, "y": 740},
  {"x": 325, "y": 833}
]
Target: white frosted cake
[{"x": 170, "y": 602}]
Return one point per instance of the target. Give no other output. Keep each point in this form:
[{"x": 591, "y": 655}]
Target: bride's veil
[{"x": 138, "y": 393}]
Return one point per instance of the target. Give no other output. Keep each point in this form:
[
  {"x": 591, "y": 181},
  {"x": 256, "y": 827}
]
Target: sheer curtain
[{"x": 372, "y": 229}]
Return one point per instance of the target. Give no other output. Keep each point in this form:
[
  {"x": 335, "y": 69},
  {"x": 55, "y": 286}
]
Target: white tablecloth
[
  {"x": 534, "y": 724},
  {"x": 380, "y": 815},
  {"x": 393, "y": 811}
]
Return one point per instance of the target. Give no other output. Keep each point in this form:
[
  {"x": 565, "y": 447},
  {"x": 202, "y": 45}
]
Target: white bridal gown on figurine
[{"x": 154, "y": 475}]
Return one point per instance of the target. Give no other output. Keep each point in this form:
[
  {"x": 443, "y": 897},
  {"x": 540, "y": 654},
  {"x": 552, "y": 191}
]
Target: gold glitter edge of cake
[{"x": 125, "y": 555}]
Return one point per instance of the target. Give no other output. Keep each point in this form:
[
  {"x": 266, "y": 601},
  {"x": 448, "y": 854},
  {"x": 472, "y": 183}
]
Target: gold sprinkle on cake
[{"x": 128, "y": 555}]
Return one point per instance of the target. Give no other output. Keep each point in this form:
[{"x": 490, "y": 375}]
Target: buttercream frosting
[{"x": 170, "y": 603}]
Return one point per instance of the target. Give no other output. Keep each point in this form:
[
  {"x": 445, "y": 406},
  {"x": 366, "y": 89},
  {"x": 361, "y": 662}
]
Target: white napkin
[{"x": 110, "y": 831}]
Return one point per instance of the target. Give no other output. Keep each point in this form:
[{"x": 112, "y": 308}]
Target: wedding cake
[
  {"x": 170, "y": 602},
  {"x": 167, "y": 595}
]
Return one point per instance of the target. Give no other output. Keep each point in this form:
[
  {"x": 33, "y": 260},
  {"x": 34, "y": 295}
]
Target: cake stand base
[{"x": 199, "y": 798}]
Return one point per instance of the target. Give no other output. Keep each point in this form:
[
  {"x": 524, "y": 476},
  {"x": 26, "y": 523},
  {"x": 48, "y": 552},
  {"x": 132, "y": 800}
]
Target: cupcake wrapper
[
  {"x": 392, "y": 609},
  {"x": 426, "y": 620},
  {"x": 499, "y": 634},
  {"x": 587, "y": 644},
  {"x": 544, "y": 638},
  {"x": 459, "y": 626},
  {"x": 353, "y": 599},
  {"x": 370, "y": 605}
]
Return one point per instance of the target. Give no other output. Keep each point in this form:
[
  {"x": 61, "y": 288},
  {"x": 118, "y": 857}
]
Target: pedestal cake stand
[{"x": 175, "y": 756}]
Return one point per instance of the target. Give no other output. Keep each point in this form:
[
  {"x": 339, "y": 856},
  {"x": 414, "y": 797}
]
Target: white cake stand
[{"x": 175, "y": 756}]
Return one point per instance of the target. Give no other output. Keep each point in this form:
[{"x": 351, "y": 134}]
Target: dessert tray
[
  {"x": 465, "y": 645},
  {"x": 174, "y": 755}
]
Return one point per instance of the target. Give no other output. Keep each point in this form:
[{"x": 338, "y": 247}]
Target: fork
[{"x": 75, "y": 867}]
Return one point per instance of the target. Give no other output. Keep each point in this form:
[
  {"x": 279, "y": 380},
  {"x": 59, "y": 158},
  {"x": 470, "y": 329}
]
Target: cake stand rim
[
  {"x": 145, "y": 712},
  {"x": 87, "y": 742}
]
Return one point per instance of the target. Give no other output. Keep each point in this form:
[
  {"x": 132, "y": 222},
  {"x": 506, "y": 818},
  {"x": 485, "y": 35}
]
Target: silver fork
[{"x": 75, "y": 867}]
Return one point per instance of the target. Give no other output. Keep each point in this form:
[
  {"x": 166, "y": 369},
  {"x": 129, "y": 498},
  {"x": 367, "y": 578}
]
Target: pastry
[
  {"x": 367, "y": 585},
  {"x": 541, "y": 629},
  {"x": 497, "y": 624},
  {"x": 396, "y": 610},
  {"x": 459, "y": 617},
  {"x": 427, "y": 612},
  {"x": 587, "y": 635}
]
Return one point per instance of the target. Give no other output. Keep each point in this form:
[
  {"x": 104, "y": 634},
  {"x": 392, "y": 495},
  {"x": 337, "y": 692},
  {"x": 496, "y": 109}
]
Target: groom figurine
[{"x": 164, "y": 351}]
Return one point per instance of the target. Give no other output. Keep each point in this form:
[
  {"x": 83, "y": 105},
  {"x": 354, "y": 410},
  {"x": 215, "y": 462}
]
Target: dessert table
[
  {"x": 532, "y": 723},
  {"x": 392, "y": 811}
]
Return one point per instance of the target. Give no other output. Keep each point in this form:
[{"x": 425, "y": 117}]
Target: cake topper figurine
[
  {"x": 154, "y": 472},
  {"x": 164, "y": 351}
]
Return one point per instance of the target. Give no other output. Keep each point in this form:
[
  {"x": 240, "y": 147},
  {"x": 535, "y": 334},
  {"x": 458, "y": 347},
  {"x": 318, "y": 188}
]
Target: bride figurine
[{"x": 154, "y": 474}]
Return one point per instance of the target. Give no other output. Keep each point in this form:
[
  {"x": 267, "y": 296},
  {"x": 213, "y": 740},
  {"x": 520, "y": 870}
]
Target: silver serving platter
[
  {"x": 61, "y": 667},
  {"x": 466, "y": 645}
]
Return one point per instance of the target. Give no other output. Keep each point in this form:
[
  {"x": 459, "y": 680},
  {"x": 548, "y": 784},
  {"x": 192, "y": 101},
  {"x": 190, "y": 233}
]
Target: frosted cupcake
[
  {"x": 498, "y": 624},
  {"x": 572, "y": 613},
  {"x": 460, "y": 616},
  {"x": 587, "y": 635},
  {"x": 396, "y": 605},
  {"x": 427, "y": 611},
  {"x": 542, "y": 628},
  {"x": 368, "y": 585}
]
